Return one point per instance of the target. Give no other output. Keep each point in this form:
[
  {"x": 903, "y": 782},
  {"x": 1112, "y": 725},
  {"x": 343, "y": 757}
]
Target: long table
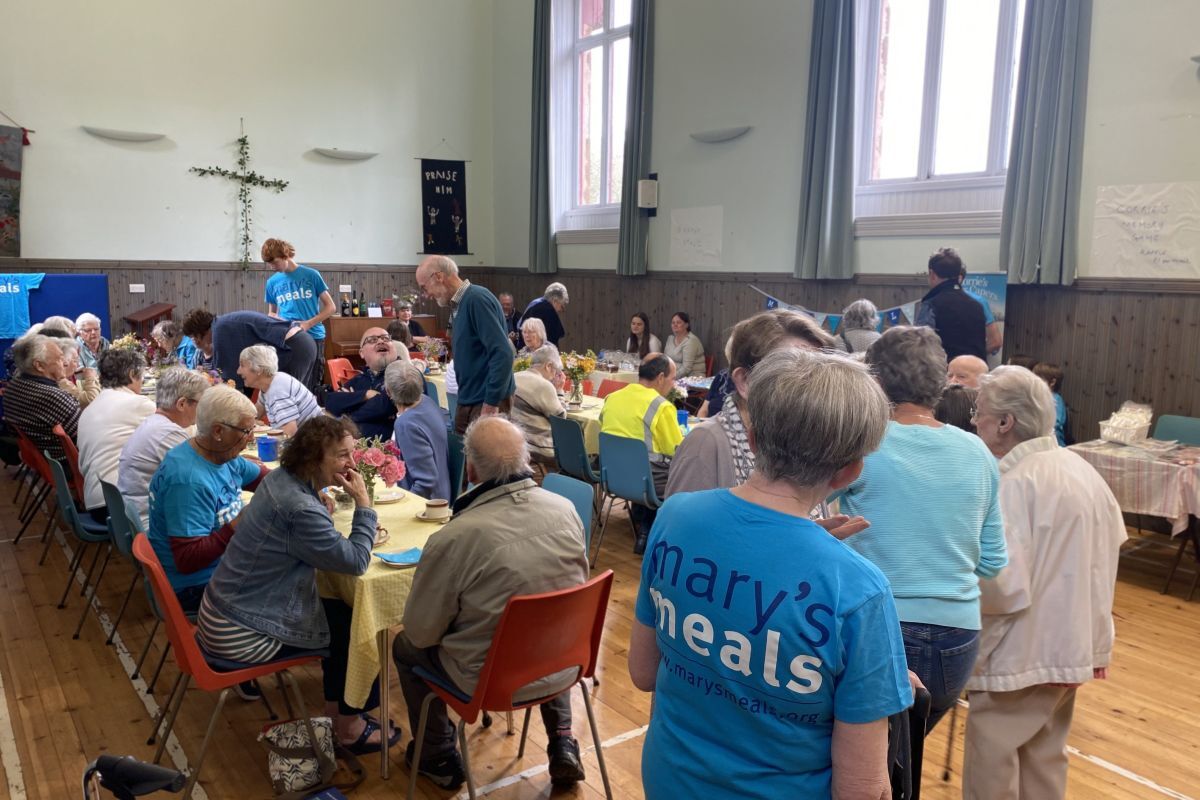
[{"x": 1158, "y": 484}]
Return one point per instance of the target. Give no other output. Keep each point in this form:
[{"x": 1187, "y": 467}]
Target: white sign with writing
[
  {"x": 696, "y": 235},
  {"x": 1147, "y": 231}
]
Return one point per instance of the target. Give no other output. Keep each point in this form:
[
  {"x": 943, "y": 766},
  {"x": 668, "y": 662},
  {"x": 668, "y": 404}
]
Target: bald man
[
  {"x": 508, "y": 537},
  {"x": 966, "y": 371}
]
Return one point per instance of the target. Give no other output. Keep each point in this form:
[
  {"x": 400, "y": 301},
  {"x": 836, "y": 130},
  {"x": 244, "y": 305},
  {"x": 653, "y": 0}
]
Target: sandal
[{"x": 361, "y": 746}]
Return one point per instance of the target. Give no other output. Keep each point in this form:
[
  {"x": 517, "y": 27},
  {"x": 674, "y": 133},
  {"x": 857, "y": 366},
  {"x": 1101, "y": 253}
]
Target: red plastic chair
[
  {"x": 194, "y": 667},
  {"x": 75, "y": 479},
  {"x": 340, "y": 371},
  {"x": 41, "y": 490},
  {"x": 538, "y": 635},
  {"x": 607, "y": 387},
  {"x": 708, "y": 365}
]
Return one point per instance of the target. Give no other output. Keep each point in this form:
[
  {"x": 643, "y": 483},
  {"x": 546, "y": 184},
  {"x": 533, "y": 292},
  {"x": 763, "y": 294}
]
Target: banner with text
[{"x": 444, "y": 206}]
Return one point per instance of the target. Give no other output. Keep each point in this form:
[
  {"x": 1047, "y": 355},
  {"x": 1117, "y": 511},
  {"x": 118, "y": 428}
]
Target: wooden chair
[{"x": 538, "y": 635}]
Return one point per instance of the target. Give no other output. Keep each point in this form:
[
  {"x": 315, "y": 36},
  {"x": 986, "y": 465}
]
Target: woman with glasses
[
  {"x": 196, "y": 494},
  {"x": 91, "y": 344},
  {"x": 931, "y": 496}
]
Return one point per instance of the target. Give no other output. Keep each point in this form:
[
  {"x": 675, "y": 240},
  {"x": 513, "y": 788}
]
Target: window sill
[
  {"x": 963, "y": 223},
  {"x": 588, "y": 236}
]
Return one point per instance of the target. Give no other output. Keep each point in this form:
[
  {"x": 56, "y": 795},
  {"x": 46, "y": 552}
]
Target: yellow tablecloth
[
  {"x": 378, "y": 596},
  {"x": 439, "y": 382},
  {"x": 589, "y": 418}
]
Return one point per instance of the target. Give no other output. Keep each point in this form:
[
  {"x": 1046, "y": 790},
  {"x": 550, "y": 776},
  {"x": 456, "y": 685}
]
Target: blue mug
[
  {"x": 682, "y": 416},
  {"x": 268, "y": 448}
]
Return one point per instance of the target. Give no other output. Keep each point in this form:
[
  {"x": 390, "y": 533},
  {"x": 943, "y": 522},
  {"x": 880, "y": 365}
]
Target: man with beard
[{"x": 362, "y": 398}]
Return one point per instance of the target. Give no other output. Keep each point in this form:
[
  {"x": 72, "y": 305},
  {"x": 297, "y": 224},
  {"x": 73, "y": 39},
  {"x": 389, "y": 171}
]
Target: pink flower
[
  {"x": 391, "y": 449},
  {"x": 393, "y": 471},
  {"x": 374, "y": 456}
]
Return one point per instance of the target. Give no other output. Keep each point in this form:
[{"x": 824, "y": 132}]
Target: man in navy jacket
[{"x": 363, "y": 398}]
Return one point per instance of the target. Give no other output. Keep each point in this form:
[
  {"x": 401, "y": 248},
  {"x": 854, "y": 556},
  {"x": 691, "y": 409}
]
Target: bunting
[{"x": 904, "y": 314}]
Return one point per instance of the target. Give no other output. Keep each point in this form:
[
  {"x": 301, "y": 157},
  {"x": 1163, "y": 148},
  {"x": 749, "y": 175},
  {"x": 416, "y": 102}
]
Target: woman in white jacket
[{"x": 1047, "y": 617}]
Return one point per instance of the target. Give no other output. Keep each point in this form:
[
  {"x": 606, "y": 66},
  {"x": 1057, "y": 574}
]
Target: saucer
[
  {"x": 387, "y": 496},
  {"x": 381, "y": 541},
  {"x": 422, "y": 518}
]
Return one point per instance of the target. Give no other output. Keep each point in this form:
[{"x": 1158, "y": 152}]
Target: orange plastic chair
[
  {"x": 42, "y": 488},
  {"x": 340, "y": 371},
  {"x": 607, "y": 387},
  {"x": 195, "y": 667},
  {"x": 75, "y": 479},
  {"x": 538, "y": 635},
  {"x": 587, "y": 387}
]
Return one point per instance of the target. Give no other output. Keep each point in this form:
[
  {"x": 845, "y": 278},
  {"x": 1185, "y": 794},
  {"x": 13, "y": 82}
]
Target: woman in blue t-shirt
[
  {"x": 773, "y": 650},
  {"x": 298, "y": 294}
]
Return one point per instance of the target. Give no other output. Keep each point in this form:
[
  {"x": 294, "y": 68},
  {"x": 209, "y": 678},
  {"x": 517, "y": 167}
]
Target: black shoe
[
  {"x": 566, "y": 768},
  {"x": 639, "y": 544},
  {"x": 446, "y": 772}
]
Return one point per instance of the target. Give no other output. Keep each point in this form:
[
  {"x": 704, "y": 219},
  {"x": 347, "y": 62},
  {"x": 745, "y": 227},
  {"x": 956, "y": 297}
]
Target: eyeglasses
[
  {"x": 243, "y": 431},
  {"x": 375, "y": 339}
]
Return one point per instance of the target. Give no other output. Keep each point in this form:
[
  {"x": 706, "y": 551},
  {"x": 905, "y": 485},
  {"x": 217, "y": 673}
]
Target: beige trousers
[{"x": 1016, "y": 745}]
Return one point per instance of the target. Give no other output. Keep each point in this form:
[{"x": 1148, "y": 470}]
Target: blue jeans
[{"x": 943, "y": 659}]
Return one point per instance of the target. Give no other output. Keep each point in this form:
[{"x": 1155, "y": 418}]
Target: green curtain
[
  {"x": 543, "y": 253},
  {"x": 825, "y": 241},
  {"x": 631, "y": 252},
  {"x": 1040, "y": 222}
]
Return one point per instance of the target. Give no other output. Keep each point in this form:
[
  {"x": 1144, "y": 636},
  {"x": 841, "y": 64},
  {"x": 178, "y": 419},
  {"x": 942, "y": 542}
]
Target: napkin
[{"x": 410, "y": 556}]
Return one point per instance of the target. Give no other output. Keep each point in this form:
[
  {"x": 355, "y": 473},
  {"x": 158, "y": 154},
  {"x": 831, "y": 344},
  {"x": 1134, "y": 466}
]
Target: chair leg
[
  {"x": 62, "y": 601},
  {"x": 600, "y": 536},
  {"x": 524, "y": 732},
  {"x": 29, "y": 519},
  {"x": 271, "y": 715},
  {"x": 587, "y": 702},
  {"x": 158, "y": 670},
  {"x": 95, "y": 589},
  {"x": 212, "y": 726},
  {"x": 950, "y": 741},
  {"x": 466, "y": 758},
  {"x": 508, "y": 718},
  {"x": 287, "y": 701},
  {"x": 124, "y": 605},
  {"x": 163, "y": 709},
  {"x": 47, "y": 539},
  {"x": 418, "y": 742},
  {"x": 145, "y": 651},
  {"x": 1175, "y": 564}
]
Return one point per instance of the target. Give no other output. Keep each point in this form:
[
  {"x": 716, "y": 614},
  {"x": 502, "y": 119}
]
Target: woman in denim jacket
[{"x": 262, "y": 603}]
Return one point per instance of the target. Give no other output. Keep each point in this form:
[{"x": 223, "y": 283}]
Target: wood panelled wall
[{"x": 1116, "y": 340}]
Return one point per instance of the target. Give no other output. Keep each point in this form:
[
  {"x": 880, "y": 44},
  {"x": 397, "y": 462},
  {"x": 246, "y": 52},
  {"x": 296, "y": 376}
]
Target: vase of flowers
[
  {"x": 373, "y": 458},
  {"x": 577, "y": 367},
  {"x": 521, "y": 364},
  {"x": 433, "y": 349}
]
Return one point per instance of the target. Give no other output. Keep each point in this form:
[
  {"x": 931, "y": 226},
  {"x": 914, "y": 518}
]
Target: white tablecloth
[{"x": 1160, "y": 485}]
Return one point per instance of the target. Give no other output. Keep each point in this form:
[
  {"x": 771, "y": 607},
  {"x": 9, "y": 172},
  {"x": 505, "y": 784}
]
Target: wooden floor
[{"x": 1136, "y": 735}]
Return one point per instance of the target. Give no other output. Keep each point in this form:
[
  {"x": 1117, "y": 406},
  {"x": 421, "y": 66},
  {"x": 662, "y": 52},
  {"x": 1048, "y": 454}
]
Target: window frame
[
  {"x": 929, "y": 193},
  {"x": 567, "y": 47}
]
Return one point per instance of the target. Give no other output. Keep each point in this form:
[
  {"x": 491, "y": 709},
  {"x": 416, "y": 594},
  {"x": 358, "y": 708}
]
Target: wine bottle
[
  {"x": 354, "y": 306},
  {"x": 345, "y": 305}
]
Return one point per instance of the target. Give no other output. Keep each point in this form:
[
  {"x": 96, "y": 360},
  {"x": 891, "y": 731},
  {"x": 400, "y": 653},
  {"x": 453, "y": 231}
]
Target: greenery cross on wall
[{"x": 246, "y": 179}]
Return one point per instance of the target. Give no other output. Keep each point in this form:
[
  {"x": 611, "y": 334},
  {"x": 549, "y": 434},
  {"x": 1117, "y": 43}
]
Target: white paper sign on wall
[
  {"x": 696, "y": 236},
  {"x": 1147, "y": 231}
]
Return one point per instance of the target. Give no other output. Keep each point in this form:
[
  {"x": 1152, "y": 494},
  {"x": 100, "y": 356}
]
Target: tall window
[
  {"x": 935, "y": 104},
  {"x": 590, "y": 86}
]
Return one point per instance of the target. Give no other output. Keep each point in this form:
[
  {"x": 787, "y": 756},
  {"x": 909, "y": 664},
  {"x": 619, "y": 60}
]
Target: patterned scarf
[{"x": 731, "y": 422}]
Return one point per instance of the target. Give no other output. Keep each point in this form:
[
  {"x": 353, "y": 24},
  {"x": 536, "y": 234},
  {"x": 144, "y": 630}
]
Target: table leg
[{"x": 385, "y": 682}]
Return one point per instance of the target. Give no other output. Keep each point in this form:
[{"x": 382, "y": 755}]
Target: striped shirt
[
  {"x": 224, "y": 639},
  {"x": 34, "y": 405},
  {"x": 287, "y": 400}
]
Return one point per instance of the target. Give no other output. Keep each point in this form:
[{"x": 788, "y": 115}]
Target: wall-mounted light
[
  {"x": 344, "y": 155},
  {"x": 721, "y": 134},
  {"x": 122, "y": 136}
]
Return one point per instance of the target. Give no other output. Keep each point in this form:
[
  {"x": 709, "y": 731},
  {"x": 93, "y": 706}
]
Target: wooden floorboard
[{"x": 70, "y": 700}]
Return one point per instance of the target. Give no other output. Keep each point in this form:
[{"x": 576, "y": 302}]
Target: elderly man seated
[
  {"x": 33, "y": 401},
  {"x": 641, "y": 411},
  {"x": 286, "y": 401},
  {"x": 420, "y": 432},
  {"x": 966, "y": 371},
  {"x": 109, "y": 421},
  {"x": 176, "y": 396},
  {"x": 363, "y": 398},
  {"x": 539, "y": 396},
  {"x": 508, "y": 537},
  {"x": 1047, "y": 618}
]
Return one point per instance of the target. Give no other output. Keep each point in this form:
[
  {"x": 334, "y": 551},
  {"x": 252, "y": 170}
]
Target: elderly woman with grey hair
[
  {"x": 548, "y": 309},
  {"x": 533, "y": 334},
  {"x": 930, "y": 493},
  {"x": 1047, "y": 618},
  {"x": 791, "y": 681},
  {"x": 539, "y": 396},
  {"x": 859, "y": 327},
  {"x": 420, "y": 432},
  {"x": 176, "y": 347},
  {"x": 286, "y": 401},
  {"x": 176, "y": 396},
  {"x": 109, "y": 421},
  {"x": 91, "y": 344}
]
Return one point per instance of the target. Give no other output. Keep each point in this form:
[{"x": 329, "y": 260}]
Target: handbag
[{"x": 297, "y": 768}]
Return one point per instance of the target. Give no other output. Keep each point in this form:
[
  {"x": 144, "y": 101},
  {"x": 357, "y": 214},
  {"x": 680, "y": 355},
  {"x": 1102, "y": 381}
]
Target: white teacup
[{"x": 437, "y": 509}]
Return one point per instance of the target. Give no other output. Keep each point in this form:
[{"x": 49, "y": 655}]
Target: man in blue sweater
[{"x": 483, "y": 357}]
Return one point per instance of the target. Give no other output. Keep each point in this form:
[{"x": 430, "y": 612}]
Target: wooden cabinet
[{"x": 342, "y": 334}]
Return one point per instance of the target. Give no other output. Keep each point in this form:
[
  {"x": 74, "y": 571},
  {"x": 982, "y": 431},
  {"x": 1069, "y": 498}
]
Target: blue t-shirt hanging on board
[
  {"x": 297, "y": 295},
  {"x": 14, "y": 302}
]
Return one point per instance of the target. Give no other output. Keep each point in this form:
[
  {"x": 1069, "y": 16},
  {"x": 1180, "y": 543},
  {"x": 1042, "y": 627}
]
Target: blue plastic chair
[
  {"x": 431, "y": 391},
  {"x": 570, "y": 450},
  {"x": 451, "y": 405},
  {"x": 580, "y": 494},
  {"x": 1185, "y": 430},
  {"x": 624, "y": 475},
  {"x": 123, "y": 524},
  {"x": 457, "y": 464},
  {"x": 87, "y": 531}
]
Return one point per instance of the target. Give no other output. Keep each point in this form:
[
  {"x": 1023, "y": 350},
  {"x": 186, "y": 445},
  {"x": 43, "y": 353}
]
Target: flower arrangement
[
  {"x": 523, "y": 363},
  {"x": 677, "y": 394},
  {"x": 433, "y": 349},
  {"x": 577, "y": 368},
  {"x": 376, "y": 458},
  {"x": 129, "y": 341}
]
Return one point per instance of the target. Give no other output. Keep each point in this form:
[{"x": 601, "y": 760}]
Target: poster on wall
[
  {"x": 696, "y": 236},
  {"x": 11, "y": 140},
  {"x": 1147, "y": 230},
  {"x": 991, "y": 290},
  {"x": 444, "y": 206}
]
